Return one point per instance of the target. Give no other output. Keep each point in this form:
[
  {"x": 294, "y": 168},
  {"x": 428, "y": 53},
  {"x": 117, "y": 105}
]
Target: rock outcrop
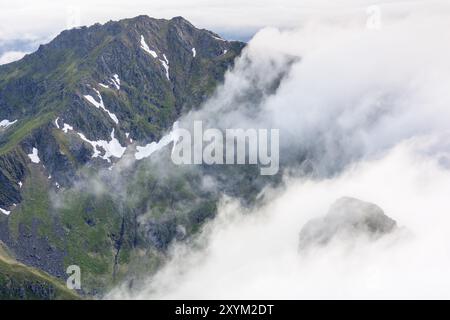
[{"x": 347, "y": 218}]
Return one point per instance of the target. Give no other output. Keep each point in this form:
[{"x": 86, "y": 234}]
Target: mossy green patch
[
  {"x": 91, "y": 223},
  {"x": 35, "y": 206},
  {"x": 23, "y": 129}
]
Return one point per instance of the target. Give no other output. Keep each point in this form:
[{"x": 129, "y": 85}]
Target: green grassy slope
[{"x": 18, "y": 281}]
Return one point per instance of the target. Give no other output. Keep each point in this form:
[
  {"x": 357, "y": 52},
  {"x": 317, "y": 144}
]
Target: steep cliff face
[{"x": 81, "y": 103}]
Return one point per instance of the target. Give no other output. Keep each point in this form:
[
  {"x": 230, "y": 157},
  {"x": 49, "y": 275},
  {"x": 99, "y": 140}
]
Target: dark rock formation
[{"x": 347, "y": 218}]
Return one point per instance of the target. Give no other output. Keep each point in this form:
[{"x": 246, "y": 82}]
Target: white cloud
[
  {"x": 369, "y": 107},
  {"x": 256, "y": 256},
  {"x": 11, "y": 56},
  {"x": 373, "y": 103},
  {"x": 43, "y": 18}
]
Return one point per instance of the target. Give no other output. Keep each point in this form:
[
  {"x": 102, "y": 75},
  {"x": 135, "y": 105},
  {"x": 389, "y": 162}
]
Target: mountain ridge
[
  {"x": 145, "y": 102},
  {"x": 72, "y": 108}
]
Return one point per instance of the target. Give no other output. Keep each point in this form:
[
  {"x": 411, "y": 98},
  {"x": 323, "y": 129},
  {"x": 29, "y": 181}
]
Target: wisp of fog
[{"x": 370, "y": 107}]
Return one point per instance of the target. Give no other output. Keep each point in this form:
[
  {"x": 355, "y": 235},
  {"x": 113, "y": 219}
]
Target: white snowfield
[
  {"x": 103, "y": 85},
  {"x": 149, "y": 149},
  {"x": 165, "y": 62},
  {"x": 56, "y": 122},
  {"x": 100, "y": 105},
  {"x": 5, "y": 211},
  {"x": 34, "y": 156},
  {"x": 112, "y": 148},
  {"x": 194, "y": 52},
  {"x": 145, "y": 47},
  {"x": 6, "y": 123}
]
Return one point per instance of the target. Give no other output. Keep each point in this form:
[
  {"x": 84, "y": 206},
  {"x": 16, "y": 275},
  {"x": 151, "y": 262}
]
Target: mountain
[
  {"x": 77, "y": 106},
  {"x": 134, "y": 76}
]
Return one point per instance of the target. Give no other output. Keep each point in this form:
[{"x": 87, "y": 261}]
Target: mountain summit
[{"x": 118, "y": 82}]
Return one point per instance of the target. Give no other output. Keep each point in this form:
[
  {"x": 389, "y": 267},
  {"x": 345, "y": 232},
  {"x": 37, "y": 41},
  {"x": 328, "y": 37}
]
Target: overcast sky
[{"x": 26, "y": 23}]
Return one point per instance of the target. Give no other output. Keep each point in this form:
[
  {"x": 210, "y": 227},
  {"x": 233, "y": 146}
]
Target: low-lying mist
[
  {"x": 369, "y": 109},
  {"x": 256, "y": 255}
]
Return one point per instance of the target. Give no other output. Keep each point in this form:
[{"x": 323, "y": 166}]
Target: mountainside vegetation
[{"x": 77, "y": 106}]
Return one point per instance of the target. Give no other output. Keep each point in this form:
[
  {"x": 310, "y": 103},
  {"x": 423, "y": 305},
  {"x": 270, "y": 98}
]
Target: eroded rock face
[{"x": 347, "y": 218}]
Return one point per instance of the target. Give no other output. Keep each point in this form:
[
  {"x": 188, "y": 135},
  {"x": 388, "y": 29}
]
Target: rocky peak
[
  {"x": 121, "y": 82},
  {"x": 348, "y": 218}
]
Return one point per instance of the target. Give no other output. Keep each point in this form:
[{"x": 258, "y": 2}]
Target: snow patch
[
  {"x": 5, "y": 211},
  {"x": 146, "y": 151},
  {"x": 34, "y": 156},
  {"x": 225, "y": 51},
  {"x": 165, "y": 58},
  {"x": 56, "y": 122},
  {"x": 165, "y": 64},
  {"x": 100, "y": 105},
  {"x": 145, "y": 47},
  {"x": 67, "y": 128},
  {"x": 112, "y": 148},
  {"x": 103, "y": 85},
  {"x": 194, "y": 52},
  {"x": 20, "y": 184},
  {"x": 6, "y": 123},
  {"x": 116, "y": 81}
]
